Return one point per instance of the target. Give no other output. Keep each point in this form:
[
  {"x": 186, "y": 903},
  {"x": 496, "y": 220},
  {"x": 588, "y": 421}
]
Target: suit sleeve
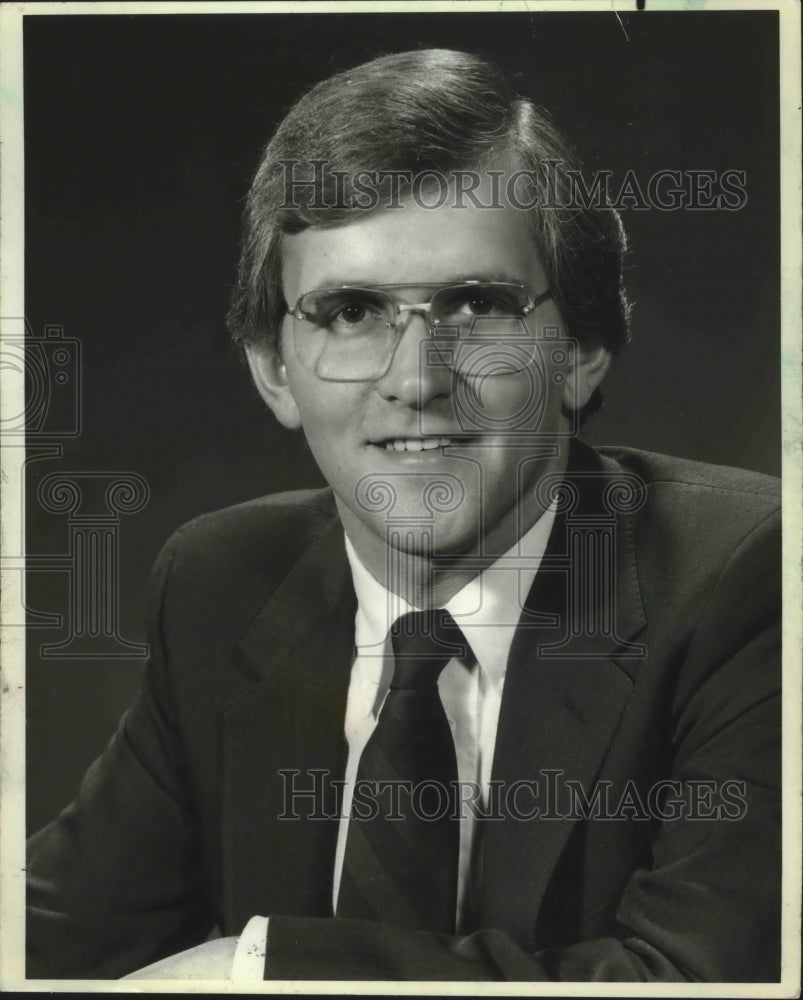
[
  {"x": 706, "y": 904},
  {"x": 114, "y": 882}
]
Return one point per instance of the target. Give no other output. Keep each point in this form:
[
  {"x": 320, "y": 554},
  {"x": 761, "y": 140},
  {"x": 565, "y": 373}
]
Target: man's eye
[
  {"x": 353, "y": 312},
  {"x": 477, "y": 304}
]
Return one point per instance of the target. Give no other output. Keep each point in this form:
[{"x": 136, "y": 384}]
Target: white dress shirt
[{"x": 487, "y": 609}]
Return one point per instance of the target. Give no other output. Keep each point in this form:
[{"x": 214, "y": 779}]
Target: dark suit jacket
[{"x": 177, "y": 826}]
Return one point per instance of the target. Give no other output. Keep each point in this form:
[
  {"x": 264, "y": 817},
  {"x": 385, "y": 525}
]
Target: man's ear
[
  {"x": 585, "y": 372},
  {"x": 270, "y": 377}
]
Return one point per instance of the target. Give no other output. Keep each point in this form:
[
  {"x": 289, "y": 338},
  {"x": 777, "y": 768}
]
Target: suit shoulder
[
  {"x": 691, "y": 519},
  {"x": 700, "y": 485},
  {"x": 269, "y": 530}
]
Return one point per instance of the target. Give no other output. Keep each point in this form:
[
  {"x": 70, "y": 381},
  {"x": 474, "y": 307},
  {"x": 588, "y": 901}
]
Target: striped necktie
[{"x": 400, "y": 862}]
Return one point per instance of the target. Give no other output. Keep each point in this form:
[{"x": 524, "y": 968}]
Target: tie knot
[{"x": 423, "y": 643}]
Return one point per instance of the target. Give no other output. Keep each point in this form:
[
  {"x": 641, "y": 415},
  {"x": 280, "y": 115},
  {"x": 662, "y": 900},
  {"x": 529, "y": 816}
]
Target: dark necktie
[{"x": 400, "y": 863}]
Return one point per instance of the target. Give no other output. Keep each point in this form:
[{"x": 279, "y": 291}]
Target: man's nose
[{"x": 415, "y": 376}]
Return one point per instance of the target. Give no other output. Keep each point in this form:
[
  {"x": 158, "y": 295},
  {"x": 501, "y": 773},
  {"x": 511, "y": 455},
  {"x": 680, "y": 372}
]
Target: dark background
[{"x": 141, "y": 134}]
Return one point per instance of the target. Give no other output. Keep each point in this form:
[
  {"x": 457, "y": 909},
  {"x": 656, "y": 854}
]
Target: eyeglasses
[{"x": 477, "y": 328}]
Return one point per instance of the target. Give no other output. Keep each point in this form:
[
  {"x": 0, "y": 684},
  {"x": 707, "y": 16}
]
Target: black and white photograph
[{"x": 401, "y": 436}]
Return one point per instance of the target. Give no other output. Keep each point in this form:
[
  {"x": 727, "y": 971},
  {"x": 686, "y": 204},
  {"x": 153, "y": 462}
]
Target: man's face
[{"x": 374, "y": 440}]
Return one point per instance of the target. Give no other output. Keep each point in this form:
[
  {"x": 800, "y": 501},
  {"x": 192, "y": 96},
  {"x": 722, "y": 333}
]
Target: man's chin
[{"x": 433, "y": 539}]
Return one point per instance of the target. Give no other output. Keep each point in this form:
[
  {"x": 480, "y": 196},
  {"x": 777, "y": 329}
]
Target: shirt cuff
[{"x": 249, "y": 956}]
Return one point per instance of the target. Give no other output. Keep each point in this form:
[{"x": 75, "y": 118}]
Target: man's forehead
[{"x": 415, "y": 244}]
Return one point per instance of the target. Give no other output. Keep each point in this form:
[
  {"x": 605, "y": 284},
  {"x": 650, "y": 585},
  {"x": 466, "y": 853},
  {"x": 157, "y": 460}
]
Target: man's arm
[{"x": 115, "y": 881}]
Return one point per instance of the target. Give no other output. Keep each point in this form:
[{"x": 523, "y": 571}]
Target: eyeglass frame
[{"x": 420, "y": 308}]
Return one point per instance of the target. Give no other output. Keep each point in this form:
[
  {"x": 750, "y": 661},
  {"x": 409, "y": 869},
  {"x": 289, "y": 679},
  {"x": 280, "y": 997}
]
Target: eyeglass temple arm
[{"x": 538, "y": 300}]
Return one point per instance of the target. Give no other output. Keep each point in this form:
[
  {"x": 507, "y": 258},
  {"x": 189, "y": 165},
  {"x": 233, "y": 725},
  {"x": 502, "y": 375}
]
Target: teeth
[{"x": 417, "y": 444}]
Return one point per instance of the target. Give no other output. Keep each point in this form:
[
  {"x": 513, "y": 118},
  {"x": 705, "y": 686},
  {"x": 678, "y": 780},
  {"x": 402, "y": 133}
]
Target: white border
[
  {"x": 12, "y": 726},
  {"x": 12, "y": 402}
]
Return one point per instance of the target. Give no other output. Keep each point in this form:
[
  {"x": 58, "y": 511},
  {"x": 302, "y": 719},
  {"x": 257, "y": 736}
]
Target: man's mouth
[{"x": 418, "y": 444}]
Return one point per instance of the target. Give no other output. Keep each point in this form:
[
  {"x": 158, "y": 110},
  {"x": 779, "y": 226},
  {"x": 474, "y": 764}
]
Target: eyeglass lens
[{"x": 348, "y": 333}]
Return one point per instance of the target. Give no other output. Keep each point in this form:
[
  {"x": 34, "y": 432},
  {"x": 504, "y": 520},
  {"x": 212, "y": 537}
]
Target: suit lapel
[
  {"x": 283, "y": 742},
  {"x": 566, "y": 687}
]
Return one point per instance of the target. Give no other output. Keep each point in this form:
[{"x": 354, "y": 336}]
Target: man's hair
[{"x": 433, "y": 110}]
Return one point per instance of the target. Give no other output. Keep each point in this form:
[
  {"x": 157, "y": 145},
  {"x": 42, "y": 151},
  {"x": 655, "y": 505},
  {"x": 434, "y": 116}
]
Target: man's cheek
[{"x": 513, "y": 403}]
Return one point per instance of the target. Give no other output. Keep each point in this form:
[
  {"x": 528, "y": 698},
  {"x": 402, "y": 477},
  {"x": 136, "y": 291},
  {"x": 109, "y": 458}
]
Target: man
[{"x": 495, "y": 705}]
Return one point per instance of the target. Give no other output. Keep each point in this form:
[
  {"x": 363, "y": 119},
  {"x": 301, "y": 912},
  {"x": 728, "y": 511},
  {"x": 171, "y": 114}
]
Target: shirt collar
[{"x": 487, "y": 608}]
